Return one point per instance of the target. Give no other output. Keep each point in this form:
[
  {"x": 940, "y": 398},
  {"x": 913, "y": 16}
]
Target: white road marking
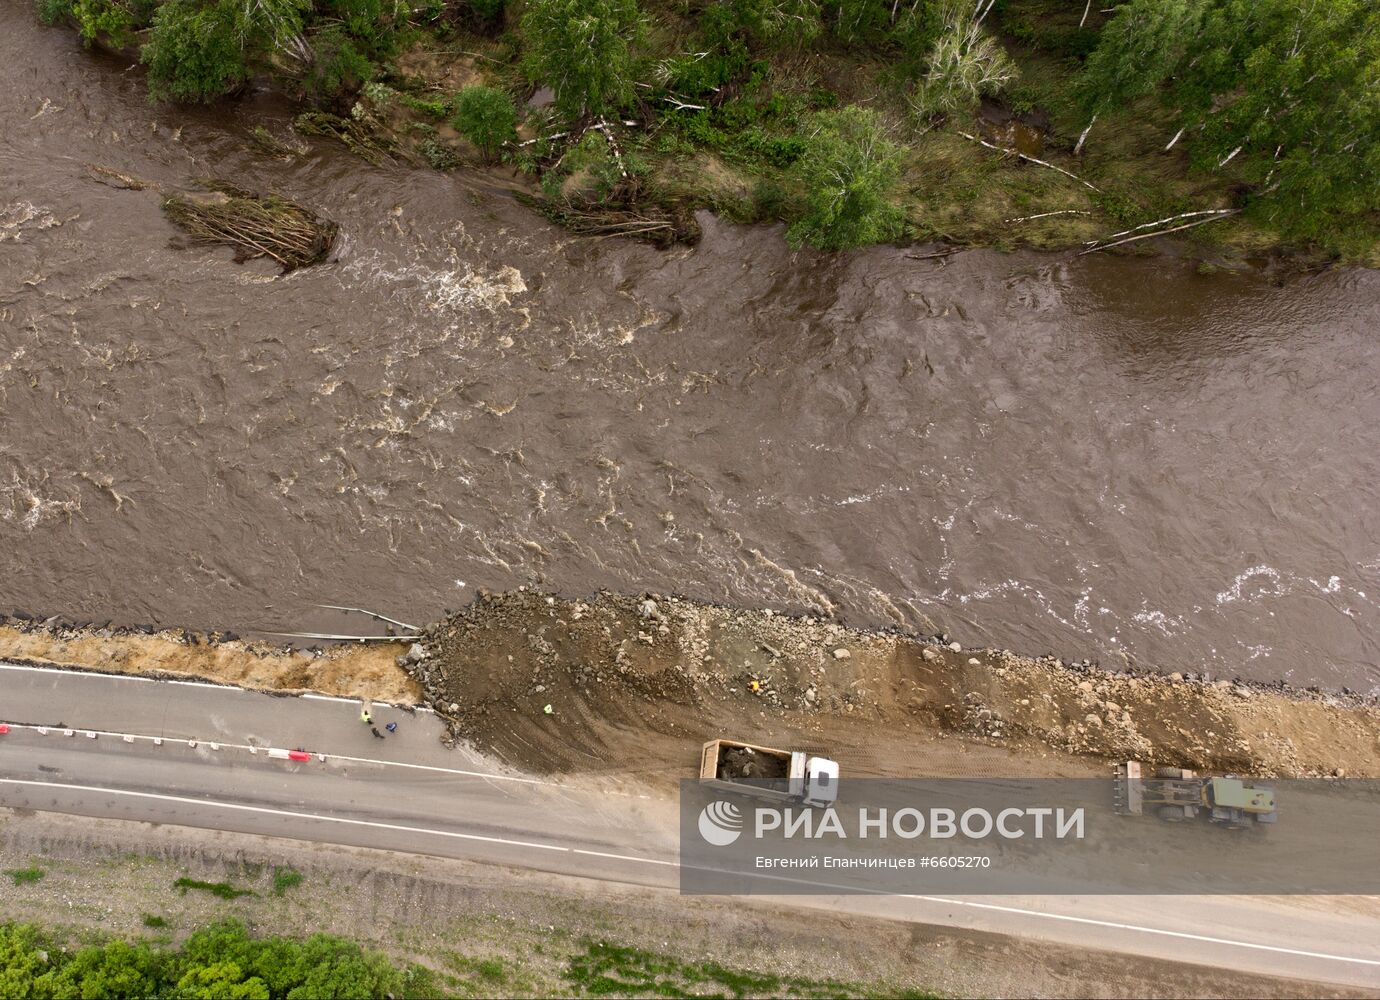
[
  {"x": 625, "y": 857},
  {"x": 288, "y": 813},
  {"x": 132, "y": 737},
  {"x": 1036, "y": 914}
]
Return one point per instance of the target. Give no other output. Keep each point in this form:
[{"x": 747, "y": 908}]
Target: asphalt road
[{"x": 408, "y": 793}]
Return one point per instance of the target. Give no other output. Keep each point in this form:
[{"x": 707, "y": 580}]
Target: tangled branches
[{"x": 256, "y": 225}]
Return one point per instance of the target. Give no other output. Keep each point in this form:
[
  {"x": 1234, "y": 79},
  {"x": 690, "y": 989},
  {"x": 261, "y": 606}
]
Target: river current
[{"x": 1098, "y": 456}]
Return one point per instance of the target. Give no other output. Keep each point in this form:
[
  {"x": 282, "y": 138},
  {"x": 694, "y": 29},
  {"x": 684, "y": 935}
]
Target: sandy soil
[
  {"x": 512, "y": 932},
  {"x": 354, "y": 671},
  {"x": 635, "y": 683}
]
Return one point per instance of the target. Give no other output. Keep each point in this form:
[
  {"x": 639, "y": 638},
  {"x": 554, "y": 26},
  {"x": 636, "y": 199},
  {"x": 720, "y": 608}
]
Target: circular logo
[{"x": 721, "y": 823}]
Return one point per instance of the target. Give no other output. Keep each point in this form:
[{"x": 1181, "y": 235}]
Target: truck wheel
[
  {"x": 1169, "y": 773},
  {"x": 1171, "y": 814}
]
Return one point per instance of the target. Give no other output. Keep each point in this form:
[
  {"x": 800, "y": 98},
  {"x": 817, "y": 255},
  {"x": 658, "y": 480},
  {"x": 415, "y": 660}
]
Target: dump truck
[
  {"x": 1177, "y": 794},
  {"x": 789, "y": 775}
]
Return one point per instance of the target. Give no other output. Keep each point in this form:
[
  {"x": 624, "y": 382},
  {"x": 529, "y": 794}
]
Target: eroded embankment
[
  {"x": 634, "y": 682},
  {"x": 353, "y": 671},
  {"x": 632, "y": 685}
]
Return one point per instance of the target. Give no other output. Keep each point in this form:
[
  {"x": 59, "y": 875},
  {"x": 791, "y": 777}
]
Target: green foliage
[
  {"x": 965, "y": 64},
  {"x": 23, "y": 959},
  {"x": 26, "y": 876},
  {"x": 194, "y": 52},
  {"x": 339, "y": 66},
  {"x": 199, "y": 50},
  {"x": 486, "y": 116},
  {"x": 285, "y": 879},
  {"x": 110, "y": 20},
  {"x": 222, "y": 889},
  {"x": 611, "y": 970},
  {"x": 221, "y": 981},
  {"x": 115, "y": 969},
  {"x": 220, "y": 962},
  {"x": 154, "y": 920},
  {"x": 863, "y": 22},
  {"x": 1140, "y": 47},
  {"x": 847, "y": 173},
  {"x": 584, "y": 51},
  {"x": 769, "y": 24},
  {"x": 1283, "y": 91}
]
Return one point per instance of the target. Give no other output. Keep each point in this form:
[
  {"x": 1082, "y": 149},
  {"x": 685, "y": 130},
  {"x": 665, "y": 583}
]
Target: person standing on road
[{"x": 364, "y": 715}]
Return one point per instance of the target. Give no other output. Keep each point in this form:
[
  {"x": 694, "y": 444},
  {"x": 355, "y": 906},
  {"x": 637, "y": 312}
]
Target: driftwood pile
[
  {"x": 652, "y": 225},
  {"x": 255, "y": 225}
]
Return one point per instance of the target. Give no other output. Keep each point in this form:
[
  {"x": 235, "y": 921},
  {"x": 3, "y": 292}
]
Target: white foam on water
[
  {"x": 19, "y": 217},
  {"x": 1235, "y": 591}
]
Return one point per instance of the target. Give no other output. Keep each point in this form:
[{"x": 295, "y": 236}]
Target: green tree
[
  {"x": 1282, "y": 92},
  {"x": 195, "y": 51},
  {"x": 485, "y": 116},
  {"x": 965, "y": 64},
  {"x": 113, "y": 21},
  {"x": 847, "y": 172},
  {"x": 584, "y": 50},
  {"x": 1141, "y": 46}
]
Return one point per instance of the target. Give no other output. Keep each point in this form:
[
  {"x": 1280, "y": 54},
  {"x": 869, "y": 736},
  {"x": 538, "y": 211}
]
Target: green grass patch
[
  {"x": 224, "y": 890},
  {"x": 154, "y": 920},
  {"x": 285, "y": 879},
  {"x": 606, "y": 970},
  {"x": 26, "y": 876}
]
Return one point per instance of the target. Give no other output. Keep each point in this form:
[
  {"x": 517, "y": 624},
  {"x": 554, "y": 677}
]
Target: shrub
[
  {"x": 485, "y": 116},
  {"x": 114, "y": 20},
  {"x": 219, "y": 961},
  {"x": 847, "y": 172},
  {"x": 222, "y": 889}
]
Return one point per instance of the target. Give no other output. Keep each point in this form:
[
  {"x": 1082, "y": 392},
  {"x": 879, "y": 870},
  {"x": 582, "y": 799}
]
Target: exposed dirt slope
[{"x": 634, "y": 683}]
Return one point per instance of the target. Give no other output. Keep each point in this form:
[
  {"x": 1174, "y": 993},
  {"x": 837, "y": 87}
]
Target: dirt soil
[
  {"x": 493, "y": 931},
  {"x": 636, "y": 683}
]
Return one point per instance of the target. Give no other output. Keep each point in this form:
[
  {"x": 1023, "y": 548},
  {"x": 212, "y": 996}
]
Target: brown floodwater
[{"x": 1089, "y": 455}]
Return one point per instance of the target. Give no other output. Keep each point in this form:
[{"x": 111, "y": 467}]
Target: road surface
[{"x": 408, "y": 793}]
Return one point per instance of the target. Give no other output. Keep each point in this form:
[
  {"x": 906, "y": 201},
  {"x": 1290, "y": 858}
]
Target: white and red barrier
[{"x": 277, "y": 753}]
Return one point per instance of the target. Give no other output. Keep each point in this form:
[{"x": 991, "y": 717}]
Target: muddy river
[{"x": 1098, "y": 456}]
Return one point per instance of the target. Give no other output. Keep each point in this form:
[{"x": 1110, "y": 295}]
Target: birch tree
[{"x": 847, "y": 172}]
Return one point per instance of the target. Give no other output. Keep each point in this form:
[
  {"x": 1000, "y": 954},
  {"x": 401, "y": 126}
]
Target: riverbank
[
  {"x": 742, "y": 112},
  {"x": 634, "y": 684}
]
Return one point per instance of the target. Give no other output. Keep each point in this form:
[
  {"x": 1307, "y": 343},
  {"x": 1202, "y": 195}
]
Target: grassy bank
[
  {"x": 1041, "y": 123},
  {"x": 451, "y": 928}
]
